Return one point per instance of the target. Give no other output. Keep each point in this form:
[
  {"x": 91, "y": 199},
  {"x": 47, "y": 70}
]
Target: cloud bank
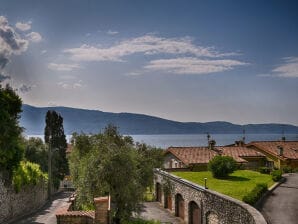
[
  {"x": 184, "y": 57},
  {"x": 23, "y": 26}
]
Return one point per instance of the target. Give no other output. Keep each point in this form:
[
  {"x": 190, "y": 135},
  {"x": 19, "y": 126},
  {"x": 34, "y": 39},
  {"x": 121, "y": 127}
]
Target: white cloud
[
  {"x": 148, "y": 44},
  {"x": 23, "y": 26},
  {"x": 191, "y": 65},
  {"x": 73, "y": 85},
  {"x": 63, "y": 67},
  {"x": 112, "y": 32},
  {"x": 34, "y": 37},
  {"x": 288, "y": 70}
]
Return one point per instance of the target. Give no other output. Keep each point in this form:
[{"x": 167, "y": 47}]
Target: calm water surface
[{"x": 164, "y": 141}]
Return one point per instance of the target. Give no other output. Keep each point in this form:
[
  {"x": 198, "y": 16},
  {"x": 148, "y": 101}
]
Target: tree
[
  {"x": 11, "y": 151},
  {"x": 36, "y": 152},
  {"x": 110, "y": 163},
  {"x": 222, "y": 166},
  {"x": 56, "y": 140}
]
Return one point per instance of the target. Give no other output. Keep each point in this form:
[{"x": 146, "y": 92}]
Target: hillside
[{"x": 93, "y": 121}]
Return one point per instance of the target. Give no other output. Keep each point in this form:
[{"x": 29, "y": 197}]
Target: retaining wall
[
  {"x": 214, "y": 208},
  {"x": 14, "y": 205}
]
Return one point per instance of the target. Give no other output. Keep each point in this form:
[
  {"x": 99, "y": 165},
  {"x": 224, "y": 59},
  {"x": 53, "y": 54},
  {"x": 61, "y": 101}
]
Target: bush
[
  {"x": 256, "y": 193},
  {"x": 141, "y": 221},
  {"x": 287, "y": 169},
  {"x": 264, "y": 170},
  {"x": 276, "y": 175},
  {"x": 27, "y": 173},
  {"x": 222, "y": 166}
]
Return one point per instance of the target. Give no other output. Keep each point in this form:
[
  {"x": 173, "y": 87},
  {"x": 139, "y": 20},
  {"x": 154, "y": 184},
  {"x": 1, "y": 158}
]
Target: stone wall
[
  {"x": 213, "y": 207},
  {"x": 14, "y": 205}
]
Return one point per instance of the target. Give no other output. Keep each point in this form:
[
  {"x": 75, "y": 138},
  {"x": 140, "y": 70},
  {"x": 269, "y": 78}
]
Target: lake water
[{"x": 164, "y": 141}]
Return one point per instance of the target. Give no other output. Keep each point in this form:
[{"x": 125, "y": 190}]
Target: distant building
[
  {"x": 197, "y": 158},
  {"x": 279, "y": 153}
]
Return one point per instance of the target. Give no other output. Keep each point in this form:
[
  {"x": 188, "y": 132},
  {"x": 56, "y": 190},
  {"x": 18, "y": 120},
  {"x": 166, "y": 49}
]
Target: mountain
[{"x": 94, "y": 121}]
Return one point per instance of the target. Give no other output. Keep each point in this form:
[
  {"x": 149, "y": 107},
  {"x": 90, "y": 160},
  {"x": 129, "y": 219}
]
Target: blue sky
[{"x": 183, "y": 60}]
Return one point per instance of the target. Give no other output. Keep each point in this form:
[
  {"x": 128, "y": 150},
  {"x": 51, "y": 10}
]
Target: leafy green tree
[
  {"x": 36, "y": 152},
  {"x": 55, "y": 138},
  {"x": 111, "y": 163},
  {"x": 11, "y": 151},
  {"x": 222, "y": 166}
]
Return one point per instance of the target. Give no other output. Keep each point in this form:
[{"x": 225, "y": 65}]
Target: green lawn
[{"x": 237, "y": 185}]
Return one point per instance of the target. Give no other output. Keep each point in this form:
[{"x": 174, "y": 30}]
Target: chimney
[{"x": 280, "y": 150}]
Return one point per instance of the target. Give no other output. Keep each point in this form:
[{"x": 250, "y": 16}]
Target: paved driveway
[
  {"x": 281, "y": 206},
  {"x": 47, "y": 213},
  {"x": 153, "y": 211}
]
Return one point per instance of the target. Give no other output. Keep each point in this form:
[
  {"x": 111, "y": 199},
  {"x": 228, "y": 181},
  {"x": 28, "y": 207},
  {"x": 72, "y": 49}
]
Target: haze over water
[{"x": 165, "y": 141}]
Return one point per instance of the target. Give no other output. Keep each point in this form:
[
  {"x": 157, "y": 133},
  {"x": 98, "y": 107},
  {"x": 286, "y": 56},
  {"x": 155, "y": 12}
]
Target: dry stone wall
[
  {"x": 214, "y": 207},
  {"x": 14, "y": 205}
]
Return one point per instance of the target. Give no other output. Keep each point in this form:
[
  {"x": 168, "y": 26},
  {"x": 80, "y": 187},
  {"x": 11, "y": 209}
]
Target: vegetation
[
  {"x": 222, "y": 166},
  {"x": 237, "y": 185},
  {"x": 141, "y": 221},
  {"x": 255, "y": 194},
  {"x": 276, "y": 175},
  {"x": 56, "y": 140},
  {"x": 36, "y": 152},
  {"x": 11, "y": 151},
  {"x": 27, "y": 173},
  {"x": 264, "y": 169},
  {"x": 110, "y": 163}
]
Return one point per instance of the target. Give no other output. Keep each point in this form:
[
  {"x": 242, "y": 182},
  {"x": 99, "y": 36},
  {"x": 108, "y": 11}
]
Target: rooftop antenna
[
  {"x": 243, "y": 137},
  {"x": 283, "y": 137},
  {"x": 208, "y": 137}
]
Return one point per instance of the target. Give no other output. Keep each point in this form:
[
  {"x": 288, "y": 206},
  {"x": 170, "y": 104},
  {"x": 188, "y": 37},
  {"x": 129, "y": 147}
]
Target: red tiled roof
[
  {"x": 290, "y": 148},
  {"x": 63, "y": 211},
  {"x": 239, "y": 152},
  {"x": 192, "y": 155}
]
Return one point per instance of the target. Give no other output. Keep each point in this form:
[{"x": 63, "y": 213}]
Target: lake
[{"x": 164, "y": 141}]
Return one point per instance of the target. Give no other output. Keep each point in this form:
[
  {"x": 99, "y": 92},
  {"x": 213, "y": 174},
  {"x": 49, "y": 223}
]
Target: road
[
  {"x": 281, "y": 206},
  {"x": 47, "y": 213}
]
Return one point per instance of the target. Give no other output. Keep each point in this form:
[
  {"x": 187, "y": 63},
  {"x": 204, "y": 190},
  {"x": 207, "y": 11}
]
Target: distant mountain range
[{"x": 94, "y": 121}]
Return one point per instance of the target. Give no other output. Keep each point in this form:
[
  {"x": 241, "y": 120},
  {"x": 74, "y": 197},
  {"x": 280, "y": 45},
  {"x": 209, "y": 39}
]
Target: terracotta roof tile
[
  {"x": 193, "y": 155},
  {"x": 290, "y": 148},
  {"x": 239, "y": 152}
]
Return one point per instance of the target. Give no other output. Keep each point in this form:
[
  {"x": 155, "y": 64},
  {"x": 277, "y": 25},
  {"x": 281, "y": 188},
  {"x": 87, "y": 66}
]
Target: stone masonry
[
  {"x": 14, "y": 205},
  {"x": 213, "y": 207}
]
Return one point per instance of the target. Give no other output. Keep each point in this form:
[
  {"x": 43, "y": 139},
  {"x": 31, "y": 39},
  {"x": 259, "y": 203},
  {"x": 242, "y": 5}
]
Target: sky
[{"x": 201, "y": 61}]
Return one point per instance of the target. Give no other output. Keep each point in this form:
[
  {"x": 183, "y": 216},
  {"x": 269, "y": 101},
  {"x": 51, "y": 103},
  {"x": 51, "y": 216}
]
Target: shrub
[
  {"x": 222, "y": 166},
  {"x": 256, "y": 193},
  {"x": 27, "y": 173},
  {"x": 287, "y": 169},
  {"x": 276, "y": 175},
  {"x": 295, "y": 170},
  {"x": 264, "y": 170}
]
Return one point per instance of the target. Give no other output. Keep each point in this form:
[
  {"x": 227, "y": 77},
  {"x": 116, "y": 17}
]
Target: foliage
[
  {"x": 265, "y": 170},
  {"x": 222, "y": 166},
  {"x": 55, "y": 138},
  {"x": 276, "y": 175},
  {"x": 287, "y": 169},
  {"x": 27, "y": 173},
  {"x": 236, "y": 186},
  {"x": 111, "y": 163},
  {"x": 253, "y": 196},
  {"x": 36, "y": 152},
  {"x": 11, "y": 151}
]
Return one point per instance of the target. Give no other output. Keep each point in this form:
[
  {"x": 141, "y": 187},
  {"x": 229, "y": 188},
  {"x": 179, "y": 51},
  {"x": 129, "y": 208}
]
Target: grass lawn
[{"x": 237, "y": 185}]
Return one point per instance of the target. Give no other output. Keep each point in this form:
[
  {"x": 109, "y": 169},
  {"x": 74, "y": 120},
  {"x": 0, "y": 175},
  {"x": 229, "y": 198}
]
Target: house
[
  {"x": 279, "y": 153},
  {"x": 188, "y": 158},
  {"x": 197, "y": 158}
]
